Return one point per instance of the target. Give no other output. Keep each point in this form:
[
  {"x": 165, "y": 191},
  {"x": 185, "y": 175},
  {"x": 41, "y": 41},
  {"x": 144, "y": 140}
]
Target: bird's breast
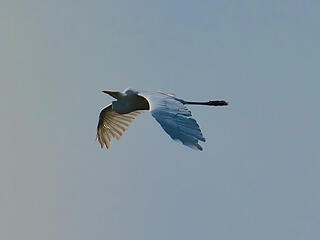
[{"x": 121, "y": 108}]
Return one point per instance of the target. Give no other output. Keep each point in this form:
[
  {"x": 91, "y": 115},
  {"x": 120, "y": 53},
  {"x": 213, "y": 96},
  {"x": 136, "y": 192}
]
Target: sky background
[{"x": 258, "y": 176}]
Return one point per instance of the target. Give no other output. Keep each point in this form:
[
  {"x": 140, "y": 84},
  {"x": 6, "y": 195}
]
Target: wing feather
[
  {"x": 113, "y": 125},
  {"x": 174, "y": 117}
]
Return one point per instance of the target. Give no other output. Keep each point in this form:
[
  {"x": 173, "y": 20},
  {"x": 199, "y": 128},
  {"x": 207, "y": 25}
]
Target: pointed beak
[{"x": 111, "y": 93}]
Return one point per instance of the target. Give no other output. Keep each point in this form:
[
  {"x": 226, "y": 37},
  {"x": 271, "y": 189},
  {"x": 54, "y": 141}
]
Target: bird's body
[
  {"x": 130, "y": 102},
  {"x": 169, "y": 111}
]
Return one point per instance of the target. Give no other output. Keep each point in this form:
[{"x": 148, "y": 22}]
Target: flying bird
[{"x": 170, "y": 112}]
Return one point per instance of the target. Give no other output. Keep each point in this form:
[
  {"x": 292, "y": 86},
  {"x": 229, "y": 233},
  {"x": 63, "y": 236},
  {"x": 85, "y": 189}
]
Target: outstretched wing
[
  {"x": 174, "y": 118},
  {"x": 113, "y": 125}
]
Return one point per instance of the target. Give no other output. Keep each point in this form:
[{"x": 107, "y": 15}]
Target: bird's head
[{"x": 130, "y": 91}]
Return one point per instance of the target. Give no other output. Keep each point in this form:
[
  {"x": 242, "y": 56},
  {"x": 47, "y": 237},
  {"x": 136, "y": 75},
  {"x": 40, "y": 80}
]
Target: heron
[{"x": 168, "y": 110}]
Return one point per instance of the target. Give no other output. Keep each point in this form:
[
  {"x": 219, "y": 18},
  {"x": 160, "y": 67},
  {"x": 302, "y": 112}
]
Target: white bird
[{"x": 171, "y": 112}]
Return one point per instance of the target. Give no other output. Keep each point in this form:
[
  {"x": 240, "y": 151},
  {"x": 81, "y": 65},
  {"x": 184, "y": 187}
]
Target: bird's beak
[{"x": 111, "y": 93}]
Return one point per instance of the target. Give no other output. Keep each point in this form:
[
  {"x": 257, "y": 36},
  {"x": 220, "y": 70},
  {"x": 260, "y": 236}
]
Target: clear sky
[{"x": 258, "y": 176}]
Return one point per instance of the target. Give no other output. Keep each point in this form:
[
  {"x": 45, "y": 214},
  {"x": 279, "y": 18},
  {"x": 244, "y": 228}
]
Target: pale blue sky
[{"x": 258, "y": 176}]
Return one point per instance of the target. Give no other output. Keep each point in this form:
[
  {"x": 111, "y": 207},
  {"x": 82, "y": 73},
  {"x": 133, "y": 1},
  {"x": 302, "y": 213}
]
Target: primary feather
[{"x": 113, "y": 125}]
